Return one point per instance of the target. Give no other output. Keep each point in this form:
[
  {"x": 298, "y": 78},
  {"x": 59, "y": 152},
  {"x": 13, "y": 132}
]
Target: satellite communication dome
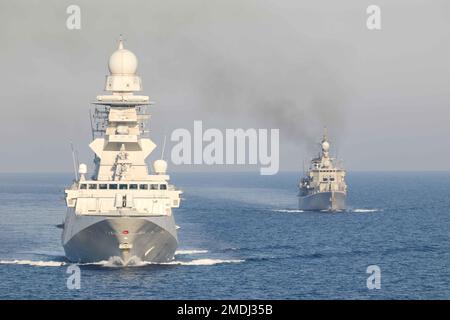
[
  {"x": 160, "y": 166},
  {"x": 122, "y": 61}
]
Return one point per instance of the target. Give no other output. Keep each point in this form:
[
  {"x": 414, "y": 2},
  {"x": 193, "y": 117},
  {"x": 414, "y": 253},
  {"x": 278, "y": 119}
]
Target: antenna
[
  {"x": 121, "y": 41},
  {"x": 164, "y": 148},
  {"x": 76, "y": 158},
  {"x": 325, "y": 133},
  {"x": 92, "y": 125},
  {"x": 74, "y": 161}
]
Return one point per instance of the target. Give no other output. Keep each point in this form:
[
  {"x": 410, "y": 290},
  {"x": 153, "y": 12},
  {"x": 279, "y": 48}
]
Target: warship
[
  {"x": 323, "y": 187},
  {"x": 123, "y": 211}
]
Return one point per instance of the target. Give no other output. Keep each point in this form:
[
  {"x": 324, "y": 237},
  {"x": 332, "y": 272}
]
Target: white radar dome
[
  {"x": 122, "y": 61},
  {"x": 160, "y": 166},
  {"x": 325, "y": 146}
]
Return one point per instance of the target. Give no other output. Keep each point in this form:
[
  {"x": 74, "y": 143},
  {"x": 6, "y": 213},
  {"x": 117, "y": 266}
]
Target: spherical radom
[
  {"x": 325, "y": 146},
  {"x": 123, "y": 61}
]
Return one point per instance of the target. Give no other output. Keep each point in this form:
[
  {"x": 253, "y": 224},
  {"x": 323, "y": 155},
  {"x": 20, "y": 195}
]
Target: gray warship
[
  {"x": 323, "y": 188},
  {"x": 122, "y": 212}
]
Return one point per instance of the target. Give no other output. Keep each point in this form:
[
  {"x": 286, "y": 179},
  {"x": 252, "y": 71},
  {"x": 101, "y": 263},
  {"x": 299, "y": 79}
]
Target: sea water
[{"x": 242, "y": 236}]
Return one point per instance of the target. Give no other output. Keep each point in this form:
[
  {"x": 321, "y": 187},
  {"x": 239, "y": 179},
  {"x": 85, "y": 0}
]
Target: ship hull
[
  {"x": 323, "y": 201},
  {"x": 122, "y": 240}
]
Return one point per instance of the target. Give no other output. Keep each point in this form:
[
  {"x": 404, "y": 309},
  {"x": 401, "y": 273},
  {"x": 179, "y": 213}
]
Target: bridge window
[
  {"x": 92, "y": 186},
  {"x": 163, "y": 186},
  {"x": 83, "y": 186},
  {"x": 123, "y": 186},
  {"x": 133, "y": 186},
  {"x": 112, "y": 186},
  {"x": 103, "y": 186},
  {"x": 143, "y": 186},
  {"x": 153, "y": 187}
]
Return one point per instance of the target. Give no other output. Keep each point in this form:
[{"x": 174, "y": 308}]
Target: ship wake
[
  {"x": 287, "y": 210},
  {"x": 136, "y": 262},
  {"x": 46, "y": 263},
  {"x": 192, "y": 251},
  {"x": 364, "y": 210},
  {"x": 35, "y": 263},
  {"x": 131, "y": 262},
  {"x": 357, "y": 210}
]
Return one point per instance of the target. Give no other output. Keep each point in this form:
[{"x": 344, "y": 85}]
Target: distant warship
[
  {"x": 122, "y": 211},
  {"x": 323, "y": 187}
]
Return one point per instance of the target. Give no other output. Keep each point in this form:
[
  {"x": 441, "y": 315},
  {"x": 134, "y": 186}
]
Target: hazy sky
[{"x": 289, "y": 64}]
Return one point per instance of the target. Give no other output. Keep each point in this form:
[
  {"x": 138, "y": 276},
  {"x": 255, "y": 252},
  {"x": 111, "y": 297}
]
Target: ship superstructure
[
  {"x": 122, "y": 211},
  {"x": 323, "y": 187}
]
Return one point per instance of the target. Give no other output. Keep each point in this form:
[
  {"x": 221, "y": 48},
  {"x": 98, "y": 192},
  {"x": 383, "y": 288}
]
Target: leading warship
[
  {"x": 122, "y": 212},
  {"x": 323, "y": 188}
]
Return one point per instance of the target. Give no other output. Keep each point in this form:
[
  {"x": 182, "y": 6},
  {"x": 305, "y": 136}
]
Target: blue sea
[{"x": 242, "y": 237}]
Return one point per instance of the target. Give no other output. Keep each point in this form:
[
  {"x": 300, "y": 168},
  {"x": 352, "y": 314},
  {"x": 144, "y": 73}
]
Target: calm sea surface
[{"x": 242, "y": 237}]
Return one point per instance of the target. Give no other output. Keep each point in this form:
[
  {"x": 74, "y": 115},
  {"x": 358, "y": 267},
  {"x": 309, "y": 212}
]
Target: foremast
[
  {"x": 121, "y": 183},
  {"x": 119, "y": 121}
]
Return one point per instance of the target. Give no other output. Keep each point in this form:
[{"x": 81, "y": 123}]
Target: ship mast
[
  {"x": 325, "y": 144},
  {"x": 119, "y": 121}
]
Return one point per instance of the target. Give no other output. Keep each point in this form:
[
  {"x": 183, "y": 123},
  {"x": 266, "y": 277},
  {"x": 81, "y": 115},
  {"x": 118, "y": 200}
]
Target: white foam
[
  {"x": 111, "y": 262},
  {"x": 54, "y": 263},
  {"x": 114, "y": 262},
  {"x": 194, "y": 251},
  {"x": 34, "y": 263},
  {"x": 365, "y": 210},
  {"x": 98, "y": 263},
  {"x": 288, "y": 210},
  {"x": 201, "y": 262},
  {"x": 136, "y": 262},
  {"x": 132, "y": 262}
]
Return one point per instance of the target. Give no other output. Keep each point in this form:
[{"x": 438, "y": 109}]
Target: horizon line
[{"x": 237, "y": 171}]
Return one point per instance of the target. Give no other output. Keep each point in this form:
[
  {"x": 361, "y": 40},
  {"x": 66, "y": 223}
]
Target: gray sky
[{"x": 290, "y": 64}]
